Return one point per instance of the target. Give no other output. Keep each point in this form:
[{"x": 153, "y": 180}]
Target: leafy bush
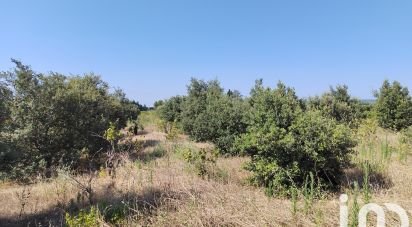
[
  {"x": 287, "y": 144},
  {"x": 5, "y": 96},
  {"x": 394, "y": 106},
  {"x": 158, "y": 103},
  {"x": 172, "y": 132},
  {"x": 202, "y": 160},
  {"x": 103, "y": 214},
  {"x": 6, "y": 149},
  {"x": 406, "y": 135},
  {"x": 114, "y": 213},
  {"x": 204, "y": 163},
  {"x": 226, "y": 120},
  {"x": 194, "y": 115},
  {"x": 86, "y": 218},
  {"x": 207, "y": 113},
  {"x": 171, "y": 109},
  {"x": 321, "y": 146},
  {"x": 339, "y": 105},
  {"x": 53, "y": 118},
  {"x": 367, "y": 129},
  {"x": 112, "y": 134}
]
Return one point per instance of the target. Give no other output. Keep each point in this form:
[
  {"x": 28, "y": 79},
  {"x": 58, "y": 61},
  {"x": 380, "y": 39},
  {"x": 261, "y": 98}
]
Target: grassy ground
[{"x": 157, "y": 187}]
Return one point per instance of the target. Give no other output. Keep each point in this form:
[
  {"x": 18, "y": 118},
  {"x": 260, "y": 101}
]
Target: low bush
[
  {"x": 85, "y": 218},
  {"x": 287, "y": 145},
  {"x": 171, "y": 109},
  {"x": 99, "y": 215},
  {"x": 203, "y": 162}
]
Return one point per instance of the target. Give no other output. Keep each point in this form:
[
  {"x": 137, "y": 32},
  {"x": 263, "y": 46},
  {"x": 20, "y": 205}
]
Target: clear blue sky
[{"x": 151, "y": 48}]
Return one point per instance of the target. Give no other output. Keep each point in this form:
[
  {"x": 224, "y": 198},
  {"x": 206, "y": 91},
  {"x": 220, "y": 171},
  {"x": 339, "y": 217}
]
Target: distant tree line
[
  {"x": 289, "y": 139},
  {"x": 52, "y": 120}
]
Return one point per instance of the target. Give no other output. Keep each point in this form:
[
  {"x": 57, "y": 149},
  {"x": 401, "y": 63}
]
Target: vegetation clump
[
  {"x": 207, "y": 113},
  {"x": 393, "y": 106},
  {"x": 86, "y": 218},
  {"x": 53, "y": 121},
  {"x": 287, "y": 144},
  {"x": 339, "y": 105}
]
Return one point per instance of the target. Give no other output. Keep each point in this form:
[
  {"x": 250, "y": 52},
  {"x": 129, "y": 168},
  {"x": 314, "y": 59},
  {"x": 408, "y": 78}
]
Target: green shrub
[
  {"x": 171, "y": 109},
  {"x": 394, "y": 106},
  {"x": 173, "y": 132},
  {"x": 287, "y": 145},
  {"x": 158, "y": 104},
  {"x": 406, "y": 136},
  {"x": 115, "y": 214},
  {"x": 203, "y": 162},
  {"x": 98, "y": 215},
  {"x": 207, "y": 113},
  {"x": 321, "y": 146},
  {"x": 53, "y": 118},
  {"x": 366, "y": 132},
  {"x": 201, "y": 159},
  {"x": 5, "y": 98},
  {"x": 85, "y": 218},
  {"x": 339, "y": 105}
]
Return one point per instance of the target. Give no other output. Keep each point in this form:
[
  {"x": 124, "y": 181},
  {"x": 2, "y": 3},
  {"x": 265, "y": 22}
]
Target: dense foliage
[
  {"x": 5, "y": 95},
  {"x": 158, "y": 104},
  {"x": 394, "y": 106},
  {"x": 288, "y": 139},
  {"x": 208, "y": 113},
  {"x": 55, "y": 120},
  {"x": 171, "y": 109},
  {"x": 339, "y": 105},
  {"x": 287, "y": 144}
]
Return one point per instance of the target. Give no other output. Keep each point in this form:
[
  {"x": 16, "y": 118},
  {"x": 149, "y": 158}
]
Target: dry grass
[{"x": 163, "y": 191}]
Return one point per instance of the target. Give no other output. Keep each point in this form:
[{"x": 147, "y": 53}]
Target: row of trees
[
  {"x": 53, "y": 120},
  {"x": 287, "y": 138}
]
